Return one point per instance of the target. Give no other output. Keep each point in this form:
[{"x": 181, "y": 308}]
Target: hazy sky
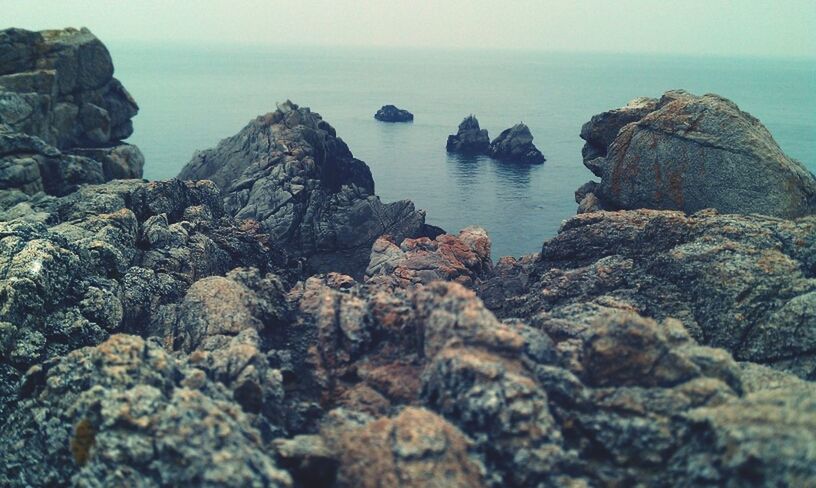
[{"x": 719, "y": 27}]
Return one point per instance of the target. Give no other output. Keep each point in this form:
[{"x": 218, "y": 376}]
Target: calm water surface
[{"x": 192, "y": 96}]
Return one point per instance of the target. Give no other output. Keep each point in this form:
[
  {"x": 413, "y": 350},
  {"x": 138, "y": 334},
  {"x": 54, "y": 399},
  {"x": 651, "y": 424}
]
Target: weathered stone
[
  {"x": 516, "y": 145},
  {"x": 390, "y": 113},
  {"x": 469, "y": 139}
]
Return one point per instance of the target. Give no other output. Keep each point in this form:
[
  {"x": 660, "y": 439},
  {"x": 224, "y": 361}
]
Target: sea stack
[
  {"x": 470, "y": 138},
  {"x": 390, "y": 113},
  {"x": 516, "y": 145}
]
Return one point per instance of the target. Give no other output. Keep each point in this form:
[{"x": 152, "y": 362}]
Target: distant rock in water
[
  {"x": 290, "y": 172},
  {"x": 470, "y": 138},
  {"x": 516, "y": 144},
  {"x": 62, "y": 113},
  {"x": 688, "y": 152},
  {"x": 390, "y": 113}
]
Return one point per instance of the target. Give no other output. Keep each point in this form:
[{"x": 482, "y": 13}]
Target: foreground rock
[
  {"x": 743, "y": 283},
  {"x": 289, "y": 171},
  {"x": 516, "y": 145},
  {"x": 58, "y": 87},
  {"x": 687, "y": 152},
  {"x": 469, "y": 139},
  {"x": 390, "y": 113}
]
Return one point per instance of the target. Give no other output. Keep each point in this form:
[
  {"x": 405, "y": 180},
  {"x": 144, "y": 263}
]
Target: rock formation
[
  {"x": 288, "y": 171},
  {"x": 516, "y": 145},
  {"x": 390, "y": 113},
  {"x": 159, "y": 334},
  {"x": 63, "y": 115},
  {"x": 469, "y": 139},
  {"x": 686, "y": 152}
]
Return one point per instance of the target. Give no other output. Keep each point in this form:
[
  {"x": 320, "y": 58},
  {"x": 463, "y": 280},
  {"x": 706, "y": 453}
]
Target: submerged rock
[
  {"x": 688, "y": 152},
  {"x": 390, "y": 113},
  {"x": 516, "y": 144},
  {"x": 469, "y": 139},
  {"x": 289, "y": 171}
]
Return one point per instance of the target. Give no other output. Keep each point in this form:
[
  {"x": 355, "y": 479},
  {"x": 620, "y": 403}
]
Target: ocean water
[{"x": 193, "y": 96}]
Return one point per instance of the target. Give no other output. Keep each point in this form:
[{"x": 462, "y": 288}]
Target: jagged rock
[
  {"x": 127, "y": 413},
  {"x": 743, "y": 283},
  {"x": 110, "y": 258},
  {"x": 390, "y": 113},
  {"x": 57, "y": 87},
  {"x": 686, "y": 152},
  {"x": 464, "y": 259},
  {"x": 469, "y": 139},
  {"x": 288, "y": 171},
  {"x": 516, "y": 144}
]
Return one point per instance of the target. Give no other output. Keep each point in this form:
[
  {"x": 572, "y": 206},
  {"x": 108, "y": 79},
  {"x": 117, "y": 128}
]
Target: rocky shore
[{"x": 265, "y": 320}]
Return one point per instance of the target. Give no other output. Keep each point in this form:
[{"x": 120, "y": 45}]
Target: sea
[{"x": 192, "y": 96}]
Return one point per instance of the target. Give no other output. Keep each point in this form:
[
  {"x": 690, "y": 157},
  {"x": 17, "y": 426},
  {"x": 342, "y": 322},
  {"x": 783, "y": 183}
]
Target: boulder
[
  {"x": 289, "y": 172},
  {"x": 516, "y": 145},
  {"x": 469, "y": 139},
  {"x": 688, "y": 152},
  {"x": 390, "y": 113}
]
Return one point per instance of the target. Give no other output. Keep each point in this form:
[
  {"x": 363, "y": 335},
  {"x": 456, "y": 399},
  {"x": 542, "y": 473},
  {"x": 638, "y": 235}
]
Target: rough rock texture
[
  {"x": 516, "y": 145},
  {"x": 109, "y": 258},
  {"x": 58, "y": 86},
  {"x": 463, "y": 259},
  {"x": 390, "y": 113},
  {"x": 686, "y": 152},
  {"x": 743, "y": 283},
  {"x": 288, "y": 171},
  {"x": 126, "y": 413},
  {"x": 469, "y": 139}
]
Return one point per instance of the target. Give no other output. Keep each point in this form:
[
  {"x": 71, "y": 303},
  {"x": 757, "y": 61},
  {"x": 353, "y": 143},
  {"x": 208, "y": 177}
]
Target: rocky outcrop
[
  {"x": 463, "y": 259},
  {"x": 469, "y": 139},
  {"x": 516, "y": 145},
  {"x": 289, "y": 172},
  {"x": 390, "y": 113},
  {"x": 58, "y": 87},
  {"x": 686, "y": 152},
  {"x": 743, "y": 283}
]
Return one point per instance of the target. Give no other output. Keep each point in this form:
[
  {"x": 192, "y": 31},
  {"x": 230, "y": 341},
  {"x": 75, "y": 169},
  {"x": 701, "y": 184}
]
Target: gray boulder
[
  {"x": 688, "y": 152},
  {"x": 289, "y": 171},
  {"x": 516, "y": 145},
  {"x": 469, "y": 139}
]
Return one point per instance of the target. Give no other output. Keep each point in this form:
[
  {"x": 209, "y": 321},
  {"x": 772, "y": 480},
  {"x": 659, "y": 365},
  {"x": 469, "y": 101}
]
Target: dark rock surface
[
  {"x": 687, "y": 152},
  {"x": 516, "y": 145},
  {"x": 57, "y": 87},
  {"x": 390, "y": 113},
  {"x": 469, "y": 139},
  {"x": 289, "y": 172}
]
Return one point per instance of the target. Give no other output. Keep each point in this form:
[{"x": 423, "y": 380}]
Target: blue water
[{"x": 191, "y": 97}]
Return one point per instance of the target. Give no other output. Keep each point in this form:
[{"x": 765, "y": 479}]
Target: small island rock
[
  {"x": 390, "y": 113},
  {"x": 516, "y": 144},
  {"x": 470, "y": 138}
]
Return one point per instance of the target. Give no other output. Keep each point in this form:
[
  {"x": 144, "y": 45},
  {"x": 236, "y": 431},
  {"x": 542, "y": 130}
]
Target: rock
[
  {"x": 57, "y": 88},
  {"x": 464, "y": 259},
  {"x": 126, "y": 412},
  {"x": 469, "y": 139},
  {"x": 417, "y": 448},
  {"x": 516, "y": 145},
  {"x": 743, "y": 283},
  {"x": 687, "y": 152},
  {"x": 390, "y": 113},
  {"x": 288, "y": 171}
]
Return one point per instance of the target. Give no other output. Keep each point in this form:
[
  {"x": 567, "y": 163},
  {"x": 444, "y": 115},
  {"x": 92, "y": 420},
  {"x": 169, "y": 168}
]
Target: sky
[{"x": 779, "y": 28}]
